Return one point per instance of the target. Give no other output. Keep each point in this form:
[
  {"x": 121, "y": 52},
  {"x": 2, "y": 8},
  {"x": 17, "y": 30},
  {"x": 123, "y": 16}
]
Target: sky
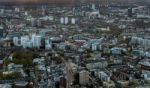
[{"x": 66, "y": 1}]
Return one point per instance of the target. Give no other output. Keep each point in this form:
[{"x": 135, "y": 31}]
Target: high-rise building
[
  {"x": 1, "y": 32},
  {"x": 73, "y": 21},
  {"x": 130, "y": 12},
  {"x": 93, "y": 7},
  {"x": 66, "y": 20},
  {"x": 2, "y": 11},
  {"x": 62, "y": 20}
]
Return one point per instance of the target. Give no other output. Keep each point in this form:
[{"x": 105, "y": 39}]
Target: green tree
[{"x": 23, "y": 57}]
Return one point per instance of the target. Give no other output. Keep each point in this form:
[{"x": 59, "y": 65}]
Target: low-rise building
[
  {"x": 83, "y": 77},
  {"x": 145, "y": 75},
  {"x": 97, "y": 64}
]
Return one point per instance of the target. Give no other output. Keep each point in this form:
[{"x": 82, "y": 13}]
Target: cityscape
[{"x": 74, "y": 44}]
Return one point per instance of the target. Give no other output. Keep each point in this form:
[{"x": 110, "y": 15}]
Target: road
[{"x": 69, "y": 73}]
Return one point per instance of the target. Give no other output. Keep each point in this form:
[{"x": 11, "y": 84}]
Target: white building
[
  {"x": 103, "y": 76},
  {"x": 24, "y": 39},
  {"x": 94, "y": 47},
  {"x": 66, "y": 20},
  {"x": 48, "y": 44},
  {"x": 36, "y": 39},
  {"x": 73, "y": 21},
  {"x": 17, "y": 9},
  {"x": 93, "y": 7},
  {"x": 16, "y": 41},
  {"x": 62, "y": 20},
  {"x": 33, "y": 42},
  {"x": 28, "y": 44},
  {"x": 26, "y": 13}
]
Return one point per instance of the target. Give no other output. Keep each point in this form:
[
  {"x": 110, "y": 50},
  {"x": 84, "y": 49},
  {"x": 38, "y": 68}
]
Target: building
[
  {"x": 103, "y": 76},
  {"x": 145, "y": 75},
  {"x": 16, "y": 41},
  {"x": 23, "y": 40},
  {"x": 96, "y": 64},
  {"x": 1, "y": 31},
  {"x": 83, "y": 77},
  {"x": 30, "y": 42},
  {"x": 62, "y": 20},
  {"x": 116, "y": 51},
  {"x": 1, "y": 63},
  {"x": 36, "y": 39},
  {"x": 66, "y": 20},
  {"x": 1, "y": 11},
  {"x": 21, "y": 84},
  {"x": 130, "y": 12},
  {"x": 144, "y": 64},
  {"x": 94, "y": 47},
  {"x": 93, "y": 7},
  {"x": 48, "y": 44},
  {"x": 109, "y": 84},
  {"x": 5, "y": 86},
  {"x": 73, "y": 21},
  {"x": 144, "y": 42},
  {"x": 63, "y": 82}
]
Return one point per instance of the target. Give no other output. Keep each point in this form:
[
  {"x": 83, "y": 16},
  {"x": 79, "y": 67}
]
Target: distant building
[
  {"x": 16, "y": 41},
  {"x": 1, "y": 31},
  {"x": 1, "y": 11},
  {"x": 130, "y": 12},
  {"x": 73, "y": 21},
  {"x": 36, "y": 39},
  {"x": 23, "y": 40},
  {"x": 145, "y": 75},
  {"x": 66, "y": 20},
  {"x": 109, "y": 84},
  {"x": 103, "y": 76},
  {"x": 31, "y": 42},
  {"x": 20, "y": 84},
  {"x": 48, "y": 44},
  {"x": 145, "y": 64},
  {"x": 96, "y": 64},
  {"x": 144, "y": 42},
  {"x": 93, "y": 7},
  {"x": 1, "y": 62},
  {"x": 83, "y": 77},
  {"x": 62, "y": 20},
  {"x": 63, "y": 82},
  {"x": 5, "y": 86}
]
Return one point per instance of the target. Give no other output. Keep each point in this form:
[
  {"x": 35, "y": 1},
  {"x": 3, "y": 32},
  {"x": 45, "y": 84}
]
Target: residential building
[{"x": 83, "y": 77}]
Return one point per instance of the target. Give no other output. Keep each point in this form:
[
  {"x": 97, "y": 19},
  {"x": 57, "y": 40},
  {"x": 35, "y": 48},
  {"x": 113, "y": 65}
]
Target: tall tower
[
  {"x": 43, "y": 10},
  {"x": 130, "y": 12}
]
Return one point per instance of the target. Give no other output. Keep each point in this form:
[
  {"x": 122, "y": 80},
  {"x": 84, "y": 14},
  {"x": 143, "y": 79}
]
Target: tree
[
  {"x": 23, "y": 57},
  {"x": 133, "y": 83},
  {"x": 1, "y": 75},
  {"x": 6, "y": 62}
]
